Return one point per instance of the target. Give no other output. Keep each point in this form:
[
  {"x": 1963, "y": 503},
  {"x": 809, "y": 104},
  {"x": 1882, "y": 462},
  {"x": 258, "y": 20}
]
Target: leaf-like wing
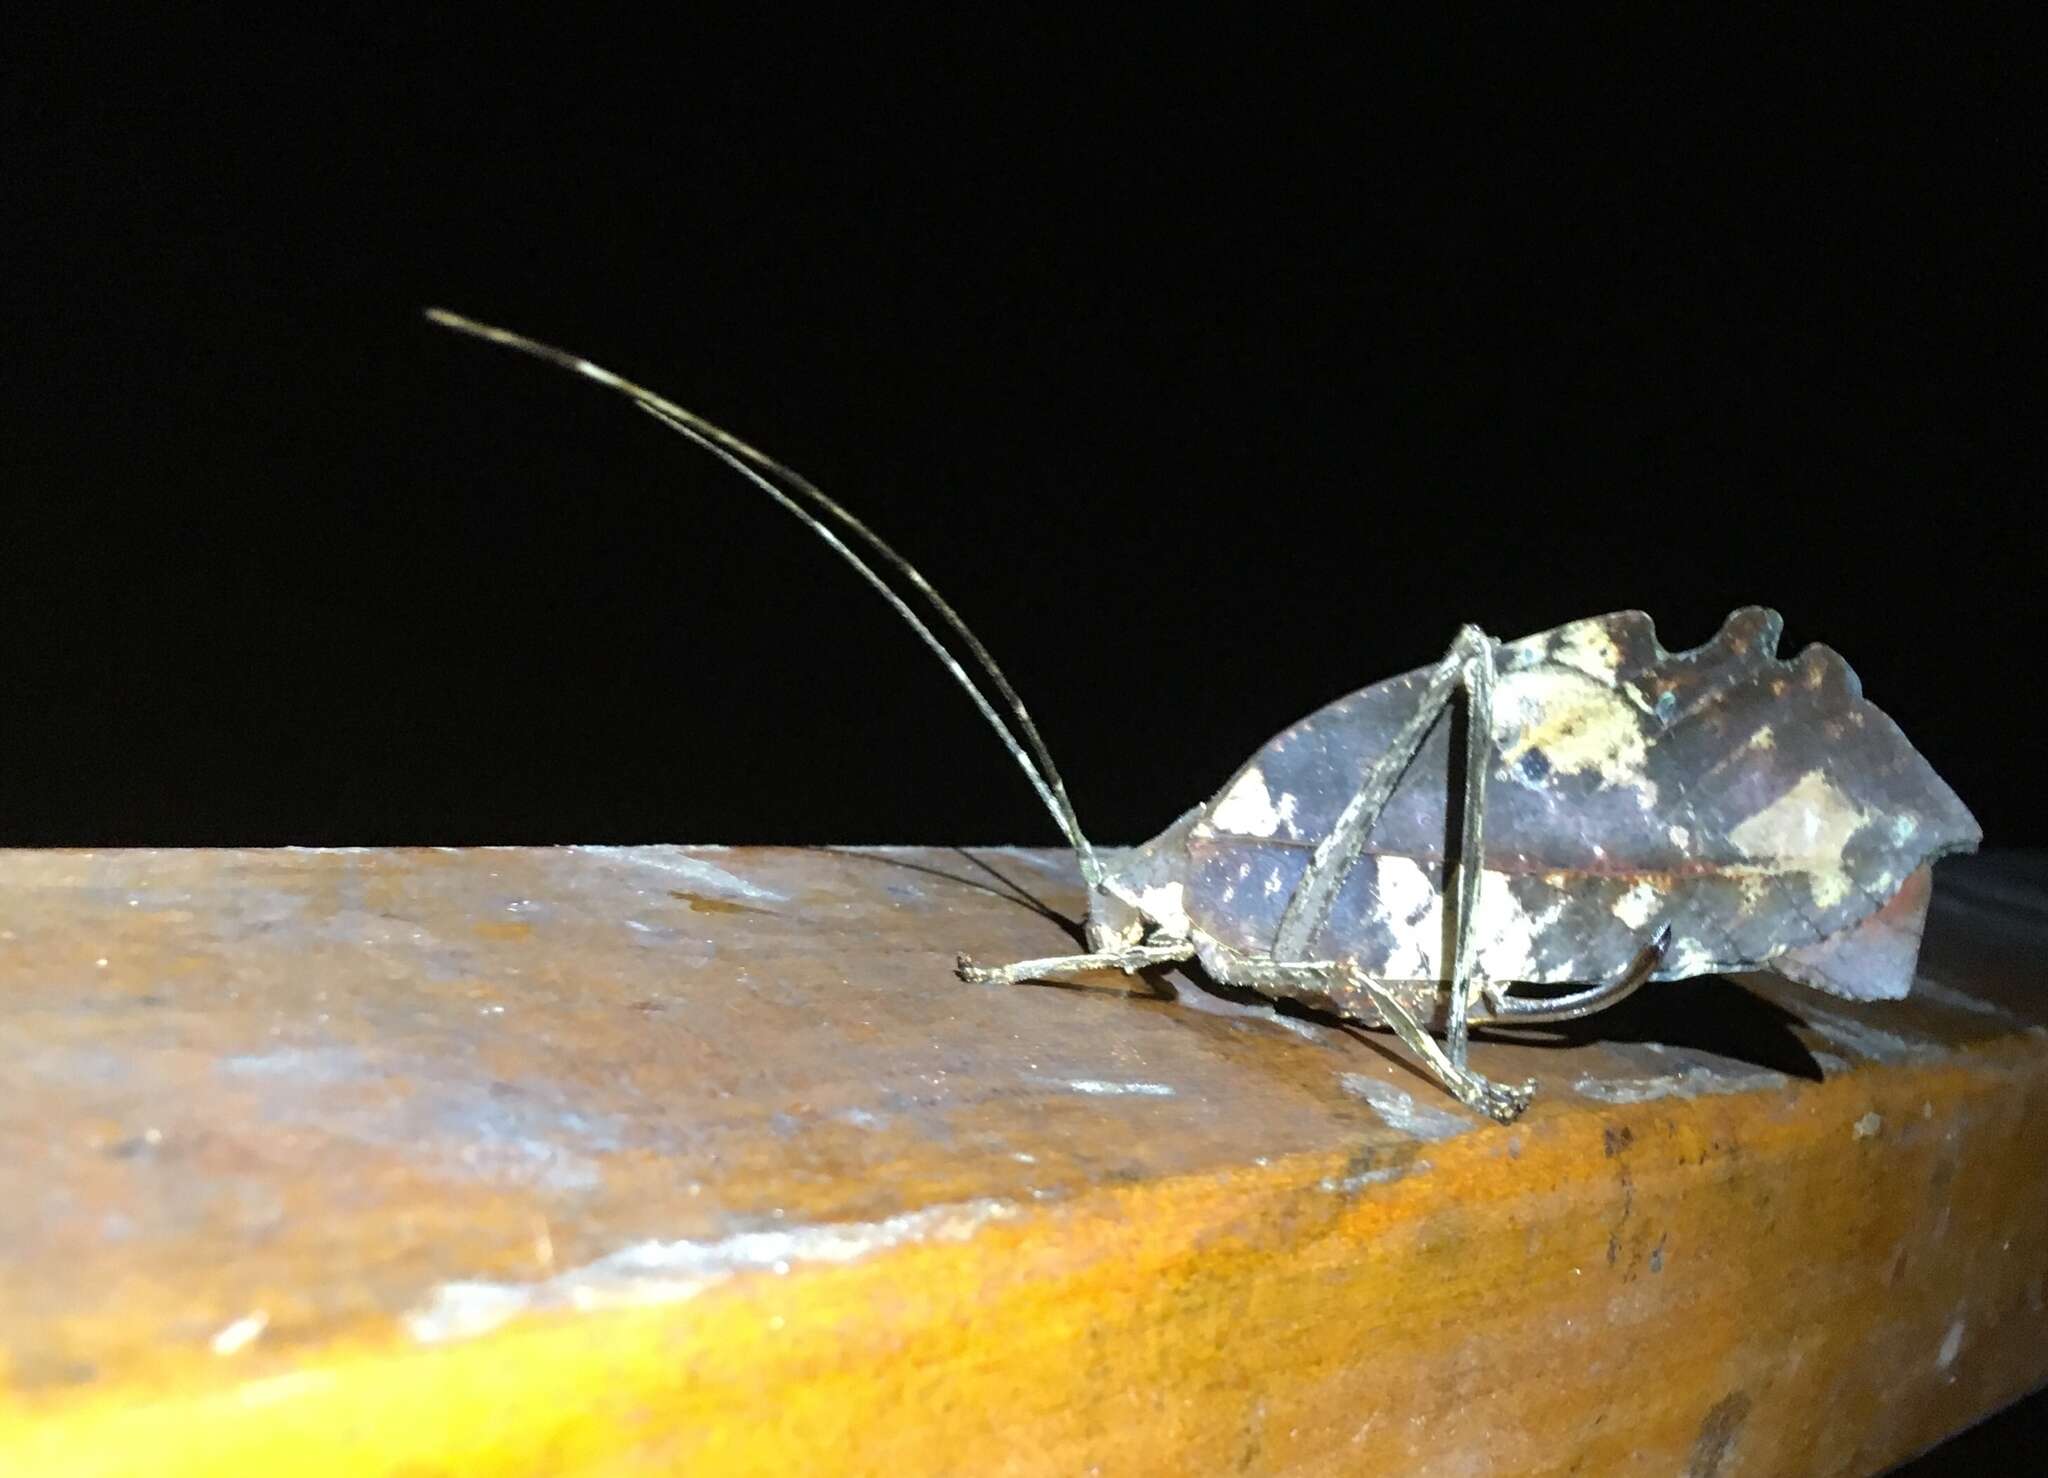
[{"x": 1758, "y": 806}]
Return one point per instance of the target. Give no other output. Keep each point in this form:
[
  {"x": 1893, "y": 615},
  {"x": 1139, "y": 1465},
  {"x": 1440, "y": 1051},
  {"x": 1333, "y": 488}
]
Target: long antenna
[{"x": 751, "y": 464}]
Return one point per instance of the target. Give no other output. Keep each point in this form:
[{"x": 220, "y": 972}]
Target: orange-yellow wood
[{"x": 650, "y": 1160}]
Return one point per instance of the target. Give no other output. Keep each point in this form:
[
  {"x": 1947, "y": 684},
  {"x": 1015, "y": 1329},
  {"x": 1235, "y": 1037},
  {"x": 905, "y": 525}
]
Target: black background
[{"x": 1211, "y": 370}]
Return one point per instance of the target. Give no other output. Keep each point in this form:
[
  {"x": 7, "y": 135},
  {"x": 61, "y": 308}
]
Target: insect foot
[{"x": 1498, "y": 1101}]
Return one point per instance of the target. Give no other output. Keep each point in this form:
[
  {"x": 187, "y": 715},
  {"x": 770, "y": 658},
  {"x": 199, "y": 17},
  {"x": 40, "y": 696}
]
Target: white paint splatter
[
  {"x": 241, "y": 1334},
  {"x": 287, "y": 1387},
  {"x": 1868, "y": 1041},
  {"x": 1344, "y": 1184},
  {"x": 1868, "y": 1127},
  {"x": 1948, "y": 995},
  {"x": 1401, "y": 1112},
  {"x": 670, "y": 1272},
  {"x": 1103, "y": 1088},
  {"x": 1692, "y": 1083},
  {"x": 675, "y": 863},
  {"x": 1951, "y": 1346}
]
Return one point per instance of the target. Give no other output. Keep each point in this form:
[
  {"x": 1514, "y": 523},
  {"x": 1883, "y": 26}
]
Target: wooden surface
[{"x": 638, "y": 1160}]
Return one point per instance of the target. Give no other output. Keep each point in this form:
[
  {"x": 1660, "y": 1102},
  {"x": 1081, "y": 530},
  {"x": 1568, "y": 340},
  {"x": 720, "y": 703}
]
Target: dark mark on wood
[
  {"x": 1717, "y": 1435},
  {"x": 704, "y": 903}
]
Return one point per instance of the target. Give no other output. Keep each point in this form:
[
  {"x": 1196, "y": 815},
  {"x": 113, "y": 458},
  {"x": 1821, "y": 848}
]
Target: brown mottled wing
[{"x": 1760, "y": 807}]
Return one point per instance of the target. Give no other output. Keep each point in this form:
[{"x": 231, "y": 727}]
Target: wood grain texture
[{"x": 644, "y": 1160}]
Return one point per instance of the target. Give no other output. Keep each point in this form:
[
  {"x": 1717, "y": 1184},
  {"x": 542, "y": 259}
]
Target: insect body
[{"x": 1620, "y": 814}]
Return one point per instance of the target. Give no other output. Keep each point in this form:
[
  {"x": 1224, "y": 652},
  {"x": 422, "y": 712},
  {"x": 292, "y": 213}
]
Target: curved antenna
[{"x": 751, "y": 463}]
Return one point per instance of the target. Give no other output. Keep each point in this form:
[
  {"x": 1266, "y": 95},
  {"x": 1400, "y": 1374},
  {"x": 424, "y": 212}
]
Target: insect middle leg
[
  {"x": 1343, "y": 984},
  {"x": 1468, "y": 664}
]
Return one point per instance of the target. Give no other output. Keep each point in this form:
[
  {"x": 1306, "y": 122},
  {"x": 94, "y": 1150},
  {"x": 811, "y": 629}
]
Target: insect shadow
[
  {"x": 1709, "y": 1014},
  {"x": 1004, "y": 887}
]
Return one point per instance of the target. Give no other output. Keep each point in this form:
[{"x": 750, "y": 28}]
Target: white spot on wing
[
  {"x": 1166, "y": 906},
  {"x": 1586, "y": 647},
  {"x": 1508, "y": 935},
  {"x": 1246, "y": 809},
  {"x": 1412, "y": 912},
  {"x": 1637, "y": 906},
  {"x": 1805, "y": 830},
  {"x": 1576, "y": 724}
]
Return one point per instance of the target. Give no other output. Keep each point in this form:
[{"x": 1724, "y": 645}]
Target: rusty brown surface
[{"x": 266, "y": 1105}]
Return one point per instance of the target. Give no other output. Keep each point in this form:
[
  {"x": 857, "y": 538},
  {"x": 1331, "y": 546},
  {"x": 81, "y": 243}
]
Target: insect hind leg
[
  {"x": 1503, "y": 1009},
  {"x": 1502, "y": 1102}
]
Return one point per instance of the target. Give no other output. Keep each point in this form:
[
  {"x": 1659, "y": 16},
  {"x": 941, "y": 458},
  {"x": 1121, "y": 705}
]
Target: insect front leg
[{"x": 1130, "y": 960}]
